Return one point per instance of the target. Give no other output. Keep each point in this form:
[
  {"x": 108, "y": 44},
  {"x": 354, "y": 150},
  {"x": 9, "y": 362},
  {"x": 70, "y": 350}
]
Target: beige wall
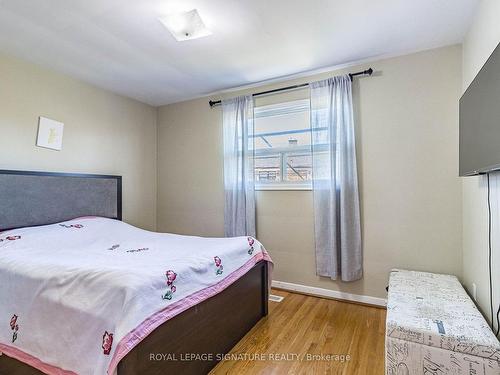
[
  {"x": 407, "y": 152},
  {"x": 103, "y": 133},
  {"x": 480, "y": 41},
  {"x": 407, "y": 144}
]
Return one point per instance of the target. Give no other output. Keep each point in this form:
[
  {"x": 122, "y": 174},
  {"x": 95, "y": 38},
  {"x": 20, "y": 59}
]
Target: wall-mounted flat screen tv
[{"x": 480, "y": 121}]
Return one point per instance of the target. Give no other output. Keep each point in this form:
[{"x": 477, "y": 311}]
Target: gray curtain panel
[
  {"x": 335, "y": 181},
  {"x": 239, "y": 186}
]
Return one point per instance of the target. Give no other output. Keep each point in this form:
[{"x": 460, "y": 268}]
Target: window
[{"x": 283, "y": 159}]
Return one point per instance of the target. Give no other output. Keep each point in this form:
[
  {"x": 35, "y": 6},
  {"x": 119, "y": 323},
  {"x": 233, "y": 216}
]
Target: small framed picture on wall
[{"x": 50, "y": 133}]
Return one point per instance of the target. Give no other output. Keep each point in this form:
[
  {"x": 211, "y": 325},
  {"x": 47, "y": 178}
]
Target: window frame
[{"x": 282, "y": 108}]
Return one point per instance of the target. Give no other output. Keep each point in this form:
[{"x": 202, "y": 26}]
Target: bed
[{"x": 83, "y": 292}]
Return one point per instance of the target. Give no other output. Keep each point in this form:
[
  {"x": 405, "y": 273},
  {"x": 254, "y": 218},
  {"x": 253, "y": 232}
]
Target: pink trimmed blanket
[{"x": 77, "y": 296}]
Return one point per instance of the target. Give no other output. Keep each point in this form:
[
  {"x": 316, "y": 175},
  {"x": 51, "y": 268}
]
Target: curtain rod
[{"x": 369, "y": 72}]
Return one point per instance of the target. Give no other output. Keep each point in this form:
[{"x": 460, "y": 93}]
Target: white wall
[
  {"x": 480, "y": 41},
  {"x": 104, "y": 133},
  {"x": 407, "y": 144}
]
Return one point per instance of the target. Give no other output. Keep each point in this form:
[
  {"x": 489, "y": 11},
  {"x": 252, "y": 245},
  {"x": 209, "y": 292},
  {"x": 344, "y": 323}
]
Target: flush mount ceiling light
[{"x": 185, "y": 25}]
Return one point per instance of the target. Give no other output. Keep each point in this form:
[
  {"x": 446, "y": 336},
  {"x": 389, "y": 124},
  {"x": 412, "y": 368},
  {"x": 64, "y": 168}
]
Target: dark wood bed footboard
[
  {"x": 210, "y": 328},
  {"x": 191, "y": 342}
]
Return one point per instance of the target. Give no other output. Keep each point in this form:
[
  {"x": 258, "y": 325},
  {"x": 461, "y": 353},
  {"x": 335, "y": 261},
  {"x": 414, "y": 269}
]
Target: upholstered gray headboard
[{"x": 38, "y": 198}]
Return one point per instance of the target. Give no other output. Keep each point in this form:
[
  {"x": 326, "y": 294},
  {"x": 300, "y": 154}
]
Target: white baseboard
[{"x": 328, "y": 293}]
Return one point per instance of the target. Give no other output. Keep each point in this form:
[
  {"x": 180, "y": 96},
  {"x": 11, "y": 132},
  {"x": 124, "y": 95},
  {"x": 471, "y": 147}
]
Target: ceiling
[{"x": 120, "y": 45}]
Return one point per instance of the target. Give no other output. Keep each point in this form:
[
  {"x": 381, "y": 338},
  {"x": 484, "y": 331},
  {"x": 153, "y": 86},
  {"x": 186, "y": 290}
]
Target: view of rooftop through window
[{"x": 283, "y": 145}]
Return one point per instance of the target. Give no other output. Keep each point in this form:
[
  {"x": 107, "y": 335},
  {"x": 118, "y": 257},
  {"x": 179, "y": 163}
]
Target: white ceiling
[{"x": 120, "y": 45}]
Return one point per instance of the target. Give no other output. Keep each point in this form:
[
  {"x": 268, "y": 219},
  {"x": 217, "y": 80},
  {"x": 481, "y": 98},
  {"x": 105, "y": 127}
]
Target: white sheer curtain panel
[
  {"x": 335, "y": 181},
  {"x": 239, "y": 186}
]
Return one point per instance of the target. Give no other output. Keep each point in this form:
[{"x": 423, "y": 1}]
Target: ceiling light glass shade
[{"x": 186, "y": 25}]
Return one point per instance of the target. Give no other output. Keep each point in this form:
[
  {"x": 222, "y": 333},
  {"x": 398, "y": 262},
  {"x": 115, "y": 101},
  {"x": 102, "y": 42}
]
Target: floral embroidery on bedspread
[
  {"x": 107, "y": 342},
  {"x": 114, "y": 247},
  {"x": 76, "y": 226},
  {"x": 138, "y": 250},
  {"x": 251, "y": 241},
  {"x": 14, "y": 326},
  {"x": 10, "y": 238},
  {"x": 218, "y": 265},
  {"x": 171, "y": 276}
]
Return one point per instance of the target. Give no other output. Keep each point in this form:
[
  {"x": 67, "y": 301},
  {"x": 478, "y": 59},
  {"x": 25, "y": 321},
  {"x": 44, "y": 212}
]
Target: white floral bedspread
[{"x": 76, "y": 297}]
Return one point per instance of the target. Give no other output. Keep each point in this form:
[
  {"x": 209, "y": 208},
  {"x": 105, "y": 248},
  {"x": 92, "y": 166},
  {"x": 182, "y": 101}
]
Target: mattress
[
  {"x": 77, "y": 296},
  {"x": 433, "y": 327}
]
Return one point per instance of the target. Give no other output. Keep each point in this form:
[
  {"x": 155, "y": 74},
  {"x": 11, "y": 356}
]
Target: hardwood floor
[{"x": 301, "y": 329}]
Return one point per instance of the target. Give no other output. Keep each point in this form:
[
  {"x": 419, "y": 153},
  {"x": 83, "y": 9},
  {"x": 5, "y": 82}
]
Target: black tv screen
[{"x": 480, "y": 121}]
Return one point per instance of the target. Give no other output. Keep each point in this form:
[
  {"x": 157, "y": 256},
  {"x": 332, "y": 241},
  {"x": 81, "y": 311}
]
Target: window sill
[{"x": 283, "y": 187}]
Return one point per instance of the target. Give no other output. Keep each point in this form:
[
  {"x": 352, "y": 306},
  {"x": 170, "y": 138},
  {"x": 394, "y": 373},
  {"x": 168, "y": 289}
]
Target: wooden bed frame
[{"x": 193, "y": 341}]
